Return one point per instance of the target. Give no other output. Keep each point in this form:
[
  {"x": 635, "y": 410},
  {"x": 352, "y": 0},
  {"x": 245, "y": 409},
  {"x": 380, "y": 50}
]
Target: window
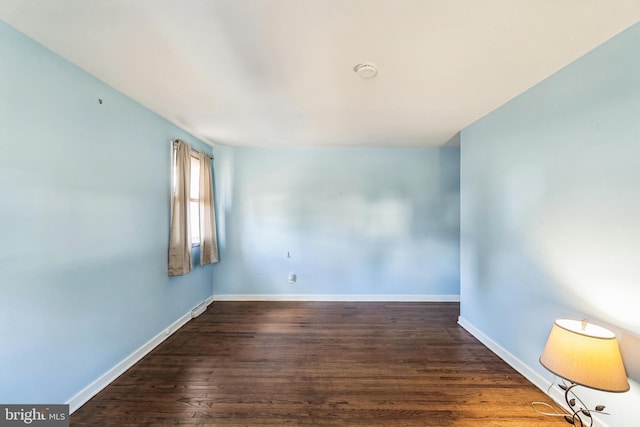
[
  {"x": 194, "y": 197},
  {"x": 193, "y": 219},
  {"x": 194, "y": 209}
]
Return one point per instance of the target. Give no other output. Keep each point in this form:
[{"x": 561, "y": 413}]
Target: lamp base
[{"x": 579, "y": 415}]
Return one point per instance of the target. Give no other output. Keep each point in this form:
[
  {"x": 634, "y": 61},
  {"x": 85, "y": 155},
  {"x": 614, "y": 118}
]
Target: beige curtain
[
  {"x": 179, "y": 238},
  {"x": 208, "y": 239}
]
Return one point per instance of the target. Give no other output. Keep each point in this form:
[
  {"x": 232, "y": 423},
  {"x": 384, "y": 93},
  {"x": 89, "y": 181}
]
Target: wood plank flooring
[{"x": 319, "y": 364}]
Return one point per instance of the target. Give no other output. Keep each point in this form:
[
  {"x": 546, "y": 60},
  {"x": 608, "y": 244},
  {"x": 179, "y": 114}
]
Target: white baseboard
[
  {"x": 96, "y": 386},
  {"x": 525, "y": 370},
  {"x": 337, "y": 298}
]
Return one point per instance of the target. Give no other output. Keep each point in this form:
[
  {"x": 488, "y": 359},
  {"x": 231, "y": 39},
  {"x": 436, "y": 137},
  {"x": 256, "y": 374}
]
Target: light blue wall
[
  {"x": 356, "y": 221},
  {"x": 84, "y": 221},
  {"x": 550, "y": 211}
]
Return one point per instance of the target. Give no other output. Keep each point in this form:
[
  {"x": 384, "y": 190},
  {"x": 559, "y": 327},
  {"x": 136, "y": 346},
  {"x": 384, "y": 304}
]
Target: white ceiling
[{"x": 280, "y": 72}]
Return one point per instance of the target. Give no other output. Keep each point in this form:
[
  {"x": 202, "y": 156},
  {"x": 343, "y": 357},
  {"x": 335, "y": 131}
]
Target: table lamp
[{"x": 585, "y": 355}]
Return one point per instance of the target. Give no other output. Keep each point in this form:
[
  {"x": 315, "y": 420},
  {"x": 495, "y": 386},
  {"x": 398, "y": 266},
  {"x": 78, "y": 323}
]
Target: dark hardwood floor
[{"x": 319, "y": 364}]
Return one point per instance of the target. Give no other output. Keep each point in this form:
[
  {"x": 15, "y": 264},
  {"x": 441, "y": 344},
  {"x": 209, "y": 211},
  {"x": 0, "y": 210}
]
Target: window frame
[{"x": 194, "y": 159}]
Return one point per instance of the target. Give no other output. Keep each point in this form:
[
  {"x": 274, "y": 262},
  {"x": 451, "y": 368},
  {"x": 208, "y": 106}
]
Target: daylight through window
[{"x": 194, "y": 197}]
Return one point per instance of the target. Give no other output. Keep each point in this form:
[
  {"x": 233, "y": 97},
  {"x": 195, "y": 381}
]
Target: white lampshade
[{"x": 585, "y": 354}]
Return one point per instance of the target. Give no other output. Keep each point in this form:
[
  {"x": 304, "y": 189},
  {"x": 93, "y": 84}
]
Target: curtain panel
[
  {"x": 179, "y": 237},
  {"x": 208, "y": 238}
]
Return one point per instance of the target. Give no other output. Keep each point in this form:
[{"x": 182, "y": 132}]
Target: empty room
[{"x": 320, "y": 212}]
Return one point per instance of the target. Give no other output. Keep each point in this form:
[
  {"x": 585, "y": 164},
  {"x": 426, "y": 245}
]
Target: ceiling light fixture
[{"x": 366, "y": 71}]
